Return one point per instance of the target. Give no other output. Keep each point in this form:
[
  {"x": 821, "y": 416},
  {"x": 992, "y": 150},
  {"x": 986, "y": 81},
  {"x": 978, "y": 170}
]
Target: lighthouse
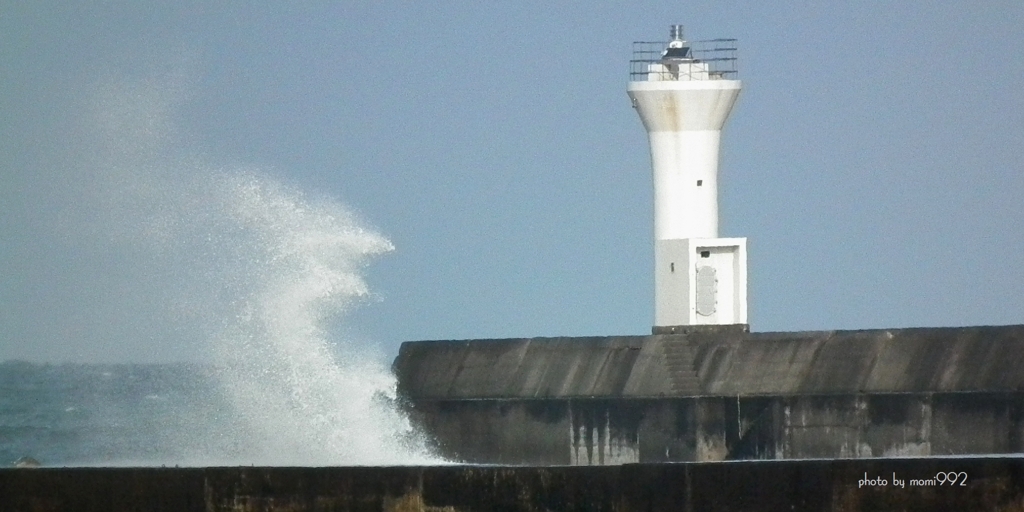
[{"x": 684, "y": 91}]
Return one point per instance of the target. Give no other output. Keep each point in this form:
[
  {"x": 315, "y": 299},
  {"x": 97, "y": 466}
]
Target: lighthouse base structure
[{"x": 699, "y": 281}]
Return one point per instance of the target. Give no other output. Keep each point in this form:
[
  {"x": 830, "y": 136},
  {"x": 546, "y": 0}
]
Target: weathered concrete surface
[
  {"x": 717, "y": 363},
  {"x": 724, "y": 394},
  {"x": 989, "y": 485},
  {"x": 618, "y": 431}
]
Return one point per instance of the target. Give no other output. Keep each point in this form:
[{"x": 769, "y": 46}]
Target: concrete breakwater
[
  {"x": 720, "y": 393},
  {"x": 975, "y": 484}
]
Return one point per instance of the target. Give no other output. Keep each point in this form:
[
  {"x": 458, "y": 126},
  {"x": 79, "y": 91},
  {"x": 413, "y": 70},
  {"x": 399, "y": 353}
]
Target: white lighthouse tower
[{"x": 684, "y": 92}]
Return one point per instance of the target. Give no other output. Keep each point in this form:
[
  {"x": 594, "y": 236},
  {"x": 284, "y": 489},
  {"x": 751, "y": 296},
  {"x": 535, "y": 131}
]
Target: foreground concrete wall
[
  {"x": 840, "y": 486},
  {"x": 719, "y": 394}
]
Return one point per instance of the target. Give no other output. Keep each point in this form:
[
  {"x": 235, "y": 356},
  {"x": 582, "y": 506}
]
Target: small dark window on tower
[
  {"x": 672, "y": 267},
  {"x": 700, "y": 182},
  {"x": 705, "y": 254}
]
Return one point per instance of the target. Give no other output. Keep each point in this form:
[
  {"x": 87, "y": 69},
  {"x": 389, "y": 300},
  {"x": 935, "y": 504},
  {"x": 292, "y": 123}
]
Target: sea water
[{"x": 73, "y": 414}]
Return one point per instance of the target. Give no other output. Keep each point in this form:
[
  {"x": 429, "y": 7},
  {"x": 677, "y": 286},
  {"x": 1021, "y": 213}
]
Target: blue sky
[{"x": 874, "y": 161}]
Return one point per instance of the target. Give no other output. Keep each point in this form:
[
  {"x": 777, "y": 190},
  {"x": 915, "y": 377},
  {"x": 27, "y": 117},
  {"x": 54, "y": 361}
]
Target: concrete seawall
[
  {"x": 812, "y": 485},
  {"x": 717, "y": 362},
  {"x": 716, "y": 394}
]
